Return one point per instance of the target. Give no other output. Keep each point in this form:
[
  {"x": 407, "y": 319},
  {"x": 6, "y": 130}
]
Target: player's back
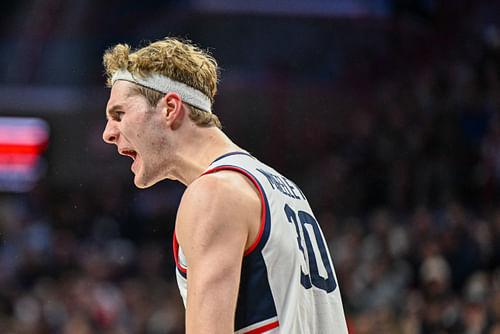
[{"x": 288, "y": 283}]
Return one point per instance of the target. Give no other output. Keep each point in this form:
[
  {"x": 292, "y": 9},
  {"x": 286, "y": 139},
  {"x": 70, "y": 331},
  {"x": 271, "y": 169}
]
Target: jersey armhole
[
  {"x": 265, "y": 214},
  {"x": 176, "y": 246}
]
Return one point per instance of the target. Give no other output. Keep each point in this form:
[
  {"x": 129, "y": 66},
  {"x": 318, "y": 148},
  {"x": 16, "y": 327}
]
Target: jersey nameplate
[{"x": 282, "y": 184}]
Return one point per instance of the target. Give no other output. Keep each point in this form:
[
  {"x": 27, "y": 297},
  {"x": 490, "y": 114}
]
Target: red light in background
[{"x": 22, "y": 141}]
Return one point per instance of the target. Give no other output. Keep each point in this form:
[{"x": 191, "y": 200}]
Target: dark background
[{"x": 385, "y": 113}]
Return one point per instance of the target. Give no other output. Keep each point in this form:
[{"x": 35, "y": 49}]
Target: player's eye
[{"x": 118, "y": 115}]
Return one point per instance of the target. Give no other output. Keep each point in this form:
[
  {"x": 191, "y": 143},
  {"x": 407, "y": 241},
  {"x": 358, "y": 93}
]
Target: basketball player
[{"x": 251, "y": 257}]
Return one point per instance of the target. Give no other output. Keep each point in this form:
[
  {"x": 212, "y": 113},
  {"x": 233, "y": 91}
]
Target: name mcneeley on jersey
[
  {"x": 289, "y": 271},
  {"x": 281, "y": 183}
]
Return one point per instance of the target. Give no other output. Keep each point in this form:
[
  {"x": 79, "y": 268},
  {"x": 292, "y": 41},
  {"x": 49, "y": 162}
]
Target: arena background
[{"x": 385, "y": 112}]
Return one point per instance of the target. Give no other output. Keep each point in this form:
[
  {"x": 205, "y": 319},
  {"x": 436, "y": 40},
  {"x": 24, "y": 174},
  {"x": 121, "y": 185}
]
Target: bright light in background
[{"x": 22, "y": 141}]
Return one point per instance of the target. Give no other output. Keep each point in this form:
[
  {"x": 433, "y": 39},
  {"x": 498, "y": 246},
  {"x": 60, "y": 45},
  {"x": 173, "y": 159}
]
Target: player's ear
[{"x": 173, "y": 111}]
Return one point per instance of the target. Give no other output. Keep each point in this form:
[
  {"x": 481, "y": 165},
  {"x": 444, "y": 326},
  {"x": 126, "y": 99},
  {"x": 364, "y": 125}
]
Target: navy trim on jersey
[
  {"x": 183, "y": 274},
  {"x": 181, "y": 270},
  {"x": 254, "y": 307},
  {"x": 227, "y": 155}
]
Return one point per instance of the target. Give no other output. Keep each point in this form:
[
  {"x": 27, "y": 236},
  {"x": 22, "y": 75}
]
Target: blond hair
[{"x": 177, "y": 59}]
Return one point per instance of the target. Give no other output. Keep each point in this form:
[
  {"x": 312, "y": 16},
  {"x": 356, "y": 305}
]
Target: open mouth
[{"x": 130, "y": 153}]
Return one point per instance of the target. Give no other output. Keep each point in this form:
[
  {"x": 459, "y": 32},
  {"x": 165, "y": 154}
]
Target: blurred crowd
[
  {"x": 425, "y": 272},
  {"x": 404, "y": 177},
  {"x": 69, "y": 265}
]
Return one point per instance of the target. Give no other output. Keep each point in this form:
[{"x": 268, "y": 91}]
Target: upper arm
[{"x": 218, "y": 218}]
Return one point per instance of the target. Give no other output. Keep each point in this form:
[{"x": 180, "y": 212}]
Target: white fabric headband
[{"x": 164, "y": 84}]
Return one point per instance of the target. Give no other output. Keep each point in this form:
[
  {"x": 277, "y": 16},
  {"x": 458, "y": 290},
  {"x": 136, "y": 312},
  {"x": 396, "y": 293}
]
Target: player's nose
[{"x": 111, "y": 133}]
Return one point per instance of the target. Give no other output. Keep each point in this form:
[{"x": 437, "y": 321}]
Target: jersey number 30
[{"x": 313, "y": 277}]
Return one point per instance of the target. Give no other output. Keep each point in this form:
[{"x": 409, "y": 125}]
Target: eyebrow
[{"x": 111, "y": 111}]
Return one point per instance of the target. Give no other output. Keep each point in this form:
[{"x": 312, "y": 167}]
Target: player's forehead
[{"x": 121, "y": 92}]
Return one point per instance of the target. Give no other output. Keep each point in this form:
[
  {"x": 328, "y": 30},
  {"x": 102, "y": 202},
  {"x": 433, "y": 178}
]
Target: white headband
[{"x": 164, "y": 84}]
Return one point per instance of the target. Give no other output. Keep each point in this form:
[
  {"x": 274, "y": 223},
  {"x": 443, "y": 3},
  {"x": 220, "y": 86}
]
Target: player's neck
[{"x": 199, "y": 151}]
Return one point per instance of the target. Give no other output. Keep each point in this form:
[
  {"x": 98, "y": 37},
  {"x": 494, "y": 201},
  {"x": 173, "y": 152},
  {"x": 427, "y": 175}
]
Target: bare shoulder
[
  {"x": 224, "y": 201},
  {"x": 220, "y": 184}
]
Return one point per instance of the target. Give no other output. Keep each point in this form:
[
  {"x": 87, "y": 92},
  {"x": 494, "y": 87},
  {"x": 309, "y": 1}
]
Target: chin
[
  {"x": 141, "y": 184},
  {"x": 144, "y": 184}
]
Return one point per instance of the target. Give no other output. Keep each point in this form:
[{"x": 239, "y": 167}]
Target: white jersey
[{"x": 288, "y": 283}]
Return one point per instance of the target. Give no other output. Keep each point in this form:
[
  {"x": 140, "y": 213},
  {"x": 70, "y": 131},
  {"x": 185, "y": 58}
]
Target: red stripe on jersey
[
  {"x": 263, "y": 220},
  {"x": 176, "y": 254},
  {"x": 264, "y": 328}
]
